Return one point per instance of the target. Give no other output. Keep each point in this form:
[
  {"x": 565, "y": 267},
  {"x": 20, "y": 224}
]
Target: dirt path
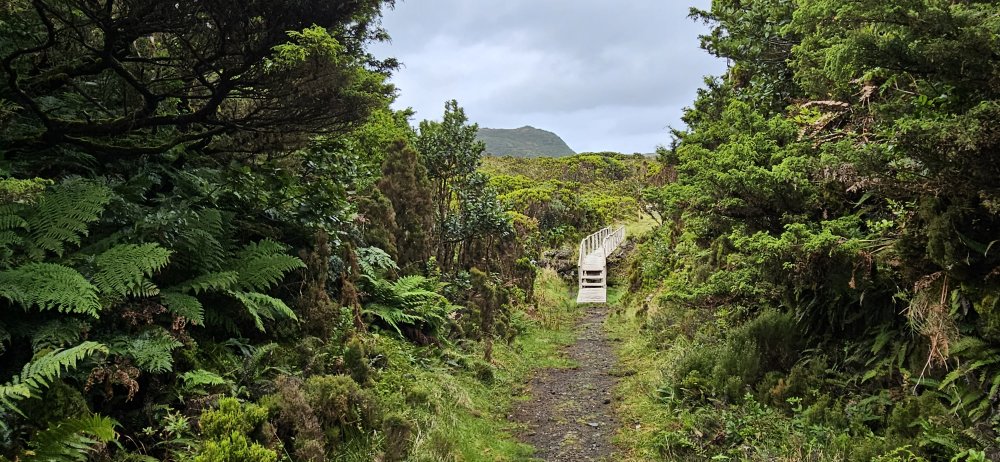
[{"x": 569, "y": 416}]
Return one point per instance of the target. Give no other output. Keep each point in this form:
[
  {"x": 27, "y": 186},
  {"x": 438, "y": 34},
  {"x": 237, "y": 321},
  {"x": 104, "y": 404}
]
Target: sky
[{"x": 605, "y": 75}]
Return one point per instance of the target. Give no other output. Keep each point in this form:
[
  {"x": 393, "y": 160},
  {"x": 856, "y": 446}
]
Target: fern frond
[
  {"x": 391, "y": 316},
  {"x": 262, "y": 307},
  {"x": 152, "y": 351},
  {"x": 122, "y": 269},
  {"x": 263, "y": 264},
  {"x": 202, "y": 239},
  {"x": 201, "y": 378},
  {"x": 9, "y": 239},
  {"x": 212, "y": 281},
  {"x": 38, "y": 374},
  {"x": 57, "y": 334},
  {"x": 4, "y": 338},
  {"x": 10, "y": 220},
  {"x": 71, "y": 439},
  {"x": 374, "y": 262},
  {"x": 185, "y": 306},
  {"x": 64, "y": 212},
  {"x": 49, "y": 287}
]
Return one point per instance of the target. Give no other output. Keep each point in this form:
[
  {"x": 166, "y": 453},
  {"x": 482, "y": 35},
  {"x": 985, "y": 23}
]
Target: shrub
[
  {"x": 398, "y": 437},
  {"x": 235, "y": 448},
  {"x": 232, "y": 417},
  {"x": 343, "y": 407}
]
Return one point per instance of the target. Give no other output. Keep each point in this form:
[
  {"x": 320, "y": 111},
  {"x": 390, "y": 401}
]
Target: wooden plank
[{"x": 592, "y": 295}]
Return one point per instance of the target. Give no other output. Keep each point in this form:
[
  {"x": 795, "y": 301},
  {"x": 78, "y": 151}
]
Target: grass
[
  {"x": 639, "y": 226},
  {"x": 458, "y": 409},
  {"x": 640, "y": 366}
]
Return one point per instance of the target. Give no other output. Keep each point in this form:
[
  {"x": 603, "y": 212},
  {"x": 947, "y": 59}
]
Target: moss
[
  {"x": 356, "y": 361},
  {"x": 232, "y": 417},
  {"x": 235, "y": 448},
  {"x": 399, "y": 433},
  {"x": 343, "y": 408}
]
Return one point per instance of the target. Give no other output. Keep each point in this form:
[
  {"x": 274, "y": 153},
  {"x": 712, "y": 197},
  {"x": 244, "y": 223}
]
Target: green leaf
[
  {"x": 122, "y": 269},
  {"x": 262, "y": 307},
  {"x": 262, "y": 265},
  {"x": 185, "y": 306},
  {"x": 152, "y": 350},
  {"x": 73, "y": 439},
  {"x": 63, "y": 214},
  {"x": 209, "y": 282},
  {"x": 38, "y": 374},
  {"x": 49, "y": 286}
]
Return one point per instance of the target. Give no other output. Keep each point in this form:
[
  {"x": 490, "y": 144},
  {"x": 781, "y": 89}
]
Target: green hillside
[{"x": 526, "y": 141}]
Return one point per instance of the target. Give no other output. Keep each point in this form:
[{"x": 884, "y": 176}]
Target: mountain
[{"x": 526, "y": 141}]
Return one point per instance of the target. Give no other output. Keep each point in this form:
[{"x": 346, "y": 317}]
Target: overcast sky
[{"x": 605, "y": 75}]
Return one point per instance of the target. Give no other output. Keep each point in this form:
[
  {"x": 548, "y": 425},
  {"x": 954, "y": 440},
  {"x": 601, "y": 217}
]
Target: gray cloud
[{"x": 604, "y": 75}]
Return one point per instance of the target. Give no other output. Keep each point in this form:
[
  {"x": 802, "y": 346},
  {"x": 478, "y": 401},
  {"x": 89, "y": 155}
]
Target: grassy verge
[
  {"x": 642, "y": 414},
  {"x": 455, "y": 404}
]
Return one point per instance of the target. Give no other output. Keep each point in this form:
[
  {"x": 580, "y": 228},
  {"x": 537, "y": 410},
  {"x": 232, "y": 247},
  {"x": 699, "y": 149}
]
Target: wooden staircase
[{"x": 593, "y": 264}]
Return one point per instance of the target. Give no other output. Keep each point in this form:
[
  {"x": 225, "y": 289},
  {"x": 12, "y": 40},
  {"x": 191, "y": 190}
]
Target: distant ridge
[{"x": 526, "y": 141}]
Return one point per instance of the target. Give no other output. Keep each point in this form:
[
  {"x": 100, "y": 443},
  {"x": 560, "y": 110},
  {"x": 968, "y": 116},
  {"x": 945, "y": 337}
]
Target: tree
[
  {"x": 451, "y": 153},
  {"x": 404, "y": 182},
  {"x": 112, "y": 81}
]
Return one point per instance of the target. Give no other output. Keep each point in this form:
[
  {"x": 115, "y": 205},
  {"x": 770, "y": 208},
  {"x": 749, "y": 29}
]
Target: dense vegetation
[
  {"x": 526, "y": 141},
  {"x": 567, "y": 198},
  {"x": 825, "y": 285},
  {"x": 219, "y": 243}
]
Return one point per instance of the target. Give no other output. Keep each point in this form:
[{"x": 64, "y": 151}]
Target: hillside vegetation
[
  {"x": 825, "y": 285},
  {"x": 570, "y": 197},
  {"x": 219, "y": 243},
  {"x": 526, "y": 141}
]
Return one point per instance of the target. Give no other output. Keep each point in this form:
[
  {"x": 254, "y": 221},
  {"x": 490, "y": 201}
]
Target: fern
[
  {"x": 410, "y": 300},
  {"x": 262, "y": 265},
  {"x": 122, "y": 269},
  {"x": 63, "y": 213},
  {"x": 38, "y": 374},
  {"x": 152, "y": 350},
  {"x": 262, "y": 307},
  {"x": 391, "y": 316},
  {"x": 57, "y": 334},
  {"x": 49, "y": 286},
  {"x": 209, "y": 282},
  {"x": 4, "y": 338},
  {"x": 200, "y": 238},
  {"x": 10, "y": 220},
  {"x": 185, "y": 306},
  {"x": 198, "y": 380},
  {"x": 373, "y": 261},
  {"x": 10, "y": 217},
  {"x": 71, "y": 439}
]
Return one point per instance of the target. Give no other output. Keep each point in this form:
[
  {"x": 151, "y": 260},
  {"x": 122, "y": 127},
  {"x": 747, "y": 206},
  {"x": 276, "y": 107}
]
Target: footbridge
[{"x": 593, "y": 263}]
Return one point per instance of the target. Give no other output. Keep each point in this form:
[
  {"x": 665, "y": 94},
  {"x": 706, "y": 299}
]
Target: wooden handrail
[{"x": 602, "y": 244}]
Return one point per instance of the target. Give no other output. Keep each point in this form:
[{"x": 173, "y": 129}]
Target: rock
[
  {"x": 594, "y": 424},
  {"x": 561, "y": 261}
]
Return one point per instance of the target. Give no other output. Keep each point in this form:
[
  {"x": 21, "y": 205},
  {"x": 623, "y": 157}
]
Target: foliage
[
  {"x": 151, "y": 97},
  {"x": 526, "y": 141},
  {"x": 71, "y": 439},
  {"x": 833, "y": 180},
  {"x": 38, "y": 374}
]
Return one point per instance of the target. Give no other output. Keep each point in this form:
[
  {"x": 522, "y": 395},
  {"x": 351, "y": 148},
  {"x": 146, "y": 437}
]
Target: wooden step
[{"x": 592, "y": 295}]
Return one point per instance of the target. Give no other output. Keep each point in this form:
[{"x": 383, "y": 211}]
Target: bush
[
  {"x": 232, "y": 417},
  {"x": 343, "y": 407},
  {"x": 770, "y": 342},
  {"x": 235, "y": 448},
  {"x": 398, "y": 437},
  {"x": 227, "y": 431}
]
